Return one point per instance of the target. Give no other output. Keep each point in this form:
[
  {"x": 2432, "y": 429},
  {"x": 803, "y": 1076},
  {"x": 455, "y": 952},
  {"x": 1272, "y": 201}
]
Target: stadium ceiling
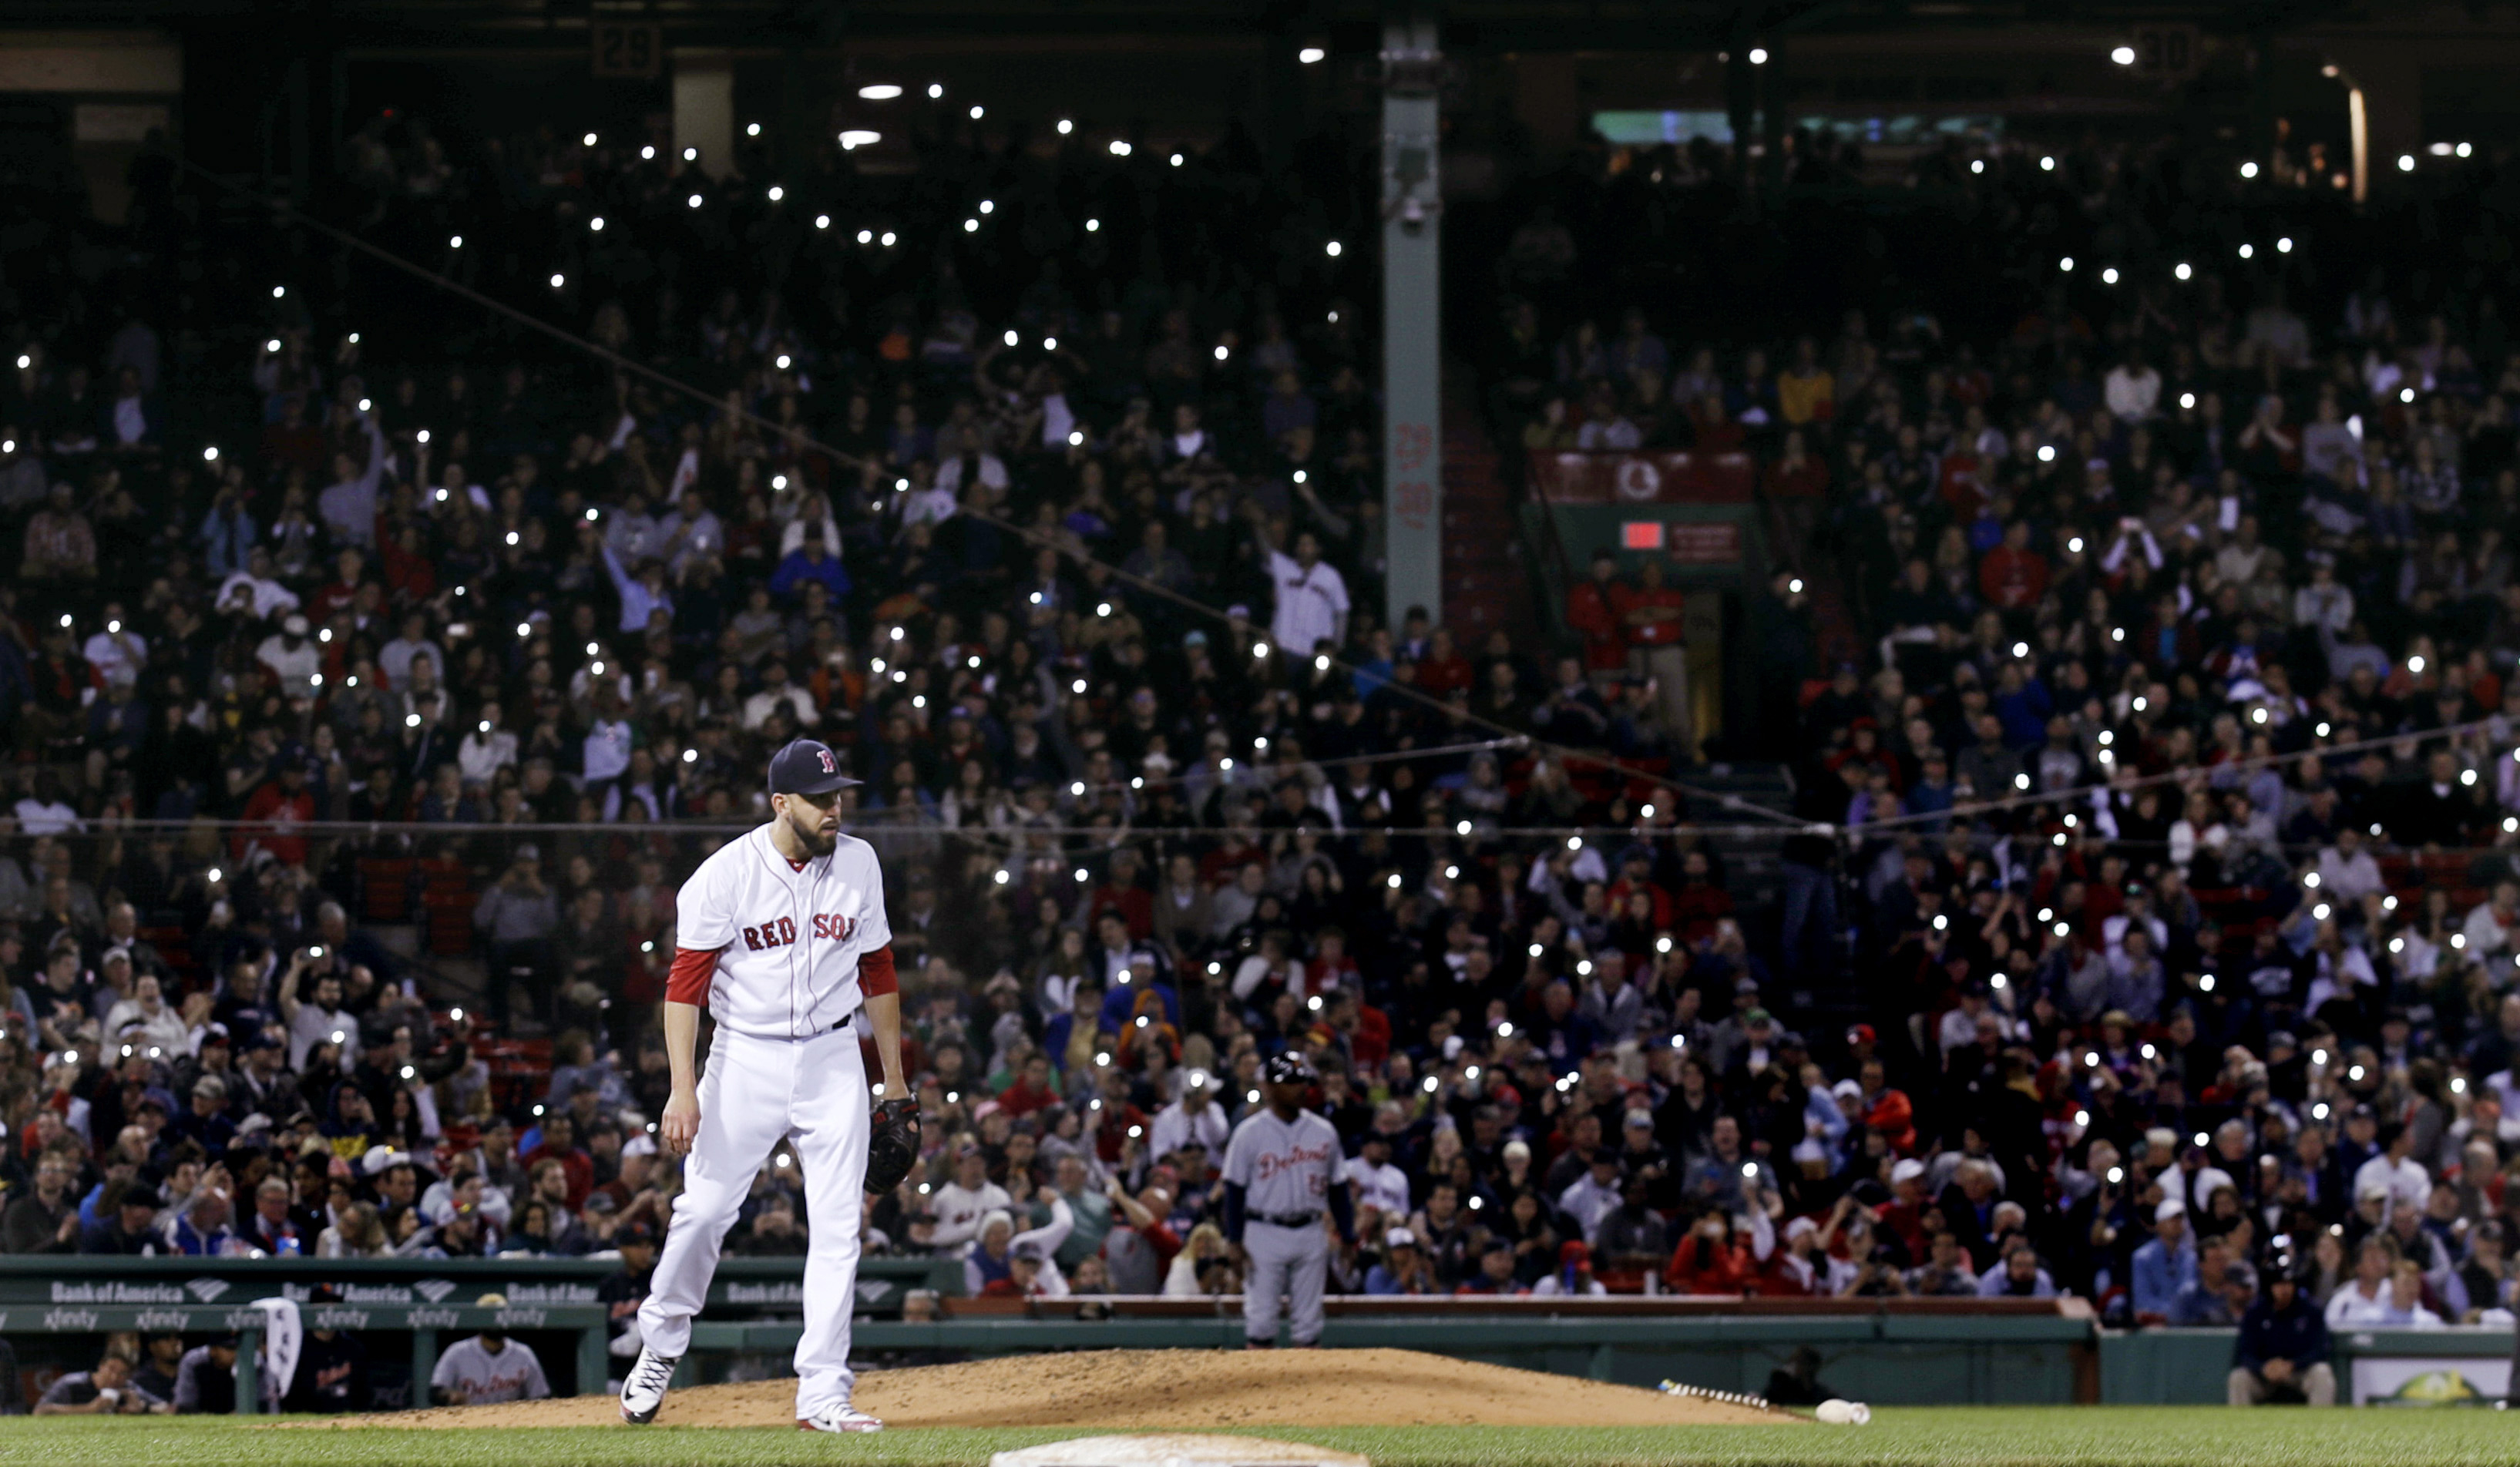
[{"x": 1349, "y": 26}]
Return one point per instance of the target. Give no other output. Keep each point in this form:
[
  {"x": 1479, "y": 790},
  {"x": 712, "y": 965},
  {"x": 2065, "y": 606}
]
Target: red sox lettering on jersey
[{"x": 782, "y": 948}]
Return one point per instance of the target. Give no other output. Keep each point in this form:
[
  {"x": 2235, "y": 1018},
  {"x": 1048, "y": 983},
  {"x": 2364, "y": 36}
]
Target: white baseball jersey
[
  {"x": 1283, "y": 1168},
  {"x": 1310, "y": 602},
  {"x": 788, "y": 935}
]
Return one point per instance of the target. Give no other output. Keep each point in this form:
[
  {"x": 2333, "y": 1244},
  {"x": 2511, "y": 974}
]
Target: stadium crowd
[{"x": 2165, "y": 723}]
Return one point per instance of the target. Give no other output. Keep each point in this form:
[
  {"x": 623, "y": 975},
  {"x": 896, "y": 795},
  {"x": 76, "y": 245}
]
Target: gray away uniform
[{"x": 1286, "y": 1169}]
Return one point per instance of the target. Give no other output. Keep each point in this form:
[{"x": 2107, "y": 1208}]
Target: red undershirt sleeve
[
  {"x": 688, "y": 980},
  {"x": 875, "y": 973}
]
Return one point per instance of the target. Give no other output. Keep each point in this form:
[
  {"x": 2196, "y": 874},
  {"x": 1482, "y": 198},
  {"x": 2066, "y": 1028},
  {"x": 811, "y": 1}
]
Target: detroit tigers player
[
  {"x": 783, "y": 933},
  {"x": 1280, "y": 1172}
]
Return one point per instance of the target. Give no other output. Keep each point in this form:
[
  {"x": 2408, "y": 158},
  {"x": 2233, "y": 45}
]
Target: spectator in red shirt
[
  {"x": 279, "y": 805},
  {"x": 2013, "y": 576},
  {"x": 1588, "y": 611},
  {"x": 1711, "y": 1259},
  {"x": 1443, "y": 669},
  {"x": 1033, "y": 1090},
  {"x": 1121, "y": 894},
  {"x": 1653, "y": 614},
  {"x": 559, "y": 1144}
]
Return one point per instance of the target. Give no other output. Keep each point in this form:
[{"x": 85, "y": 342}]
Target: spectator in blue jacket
[
  {"x": 2282, "y": 1350},
  {"x": 2164, "y": 1265},
  {"x": 809, "y": 561}
]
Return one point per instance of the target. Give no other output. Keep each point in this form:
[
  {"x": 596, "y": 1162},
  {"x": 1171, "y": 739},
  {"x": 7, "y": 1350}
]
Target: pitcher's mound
[{"x": 1158, "y": 1389}]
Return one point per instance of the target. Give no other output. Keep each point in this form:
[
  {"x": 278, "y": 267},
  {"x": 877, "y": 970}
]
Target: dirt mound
[{"x": 1153, "y": 1389}]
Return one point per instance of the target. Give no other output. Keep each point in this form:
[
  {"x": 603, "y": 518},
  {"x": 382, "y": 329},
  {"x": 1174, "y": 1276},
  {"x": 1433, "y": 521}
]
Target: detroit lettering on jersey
[
  {"x": 1282, "y": 1166},
  {"x": 1268, "y": 1165}
]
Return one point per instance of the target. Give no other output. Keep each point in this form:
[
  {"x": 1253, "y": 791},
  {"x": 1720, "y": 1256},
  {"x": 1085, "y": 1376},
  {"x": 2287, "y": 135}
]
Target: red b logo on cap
[{"x": 828, "y": 767}]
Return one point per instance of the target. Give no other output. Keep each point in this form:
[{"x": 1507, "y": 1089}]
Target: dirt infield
[{"x": 1154, "y": 1389}]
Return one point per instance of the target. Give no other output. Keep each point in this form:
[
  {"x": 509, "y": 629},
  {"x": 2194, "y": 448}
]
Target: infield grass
[{"x": 1913, "y": 1436}]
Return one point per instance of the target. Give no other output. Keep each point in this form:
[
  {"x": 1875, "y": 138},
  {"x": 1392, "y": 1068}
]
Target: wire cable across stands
[
  {"x": 2191, "y": 774},
  {"x": 1026, "y": 533}
]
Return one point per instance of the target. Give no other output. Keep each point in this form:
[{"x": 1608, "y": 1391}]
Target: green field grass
[{"x": 1955, "y": 1437}]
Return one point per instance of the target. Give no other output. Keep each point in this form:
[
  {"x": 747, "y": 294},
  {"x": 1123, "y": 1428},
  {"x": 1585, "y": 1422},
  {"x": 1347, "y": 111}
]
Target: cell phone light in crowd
[
  {"x": 2248, "y": 250},
  {"x": 1978, "y": 166},
  {"x": 1049, "y": 343},
  {"x": 1392, "y": 881},
  {"x": 589, "y": 139},
  {"x": 209, "y": 451},
  {"x": 971, "y": 226},
  {"x": 690, "y": 154},
  {"x": 25, "y": 361},
  {"x": 279, "y": 292},
  {"x": 1065, "y": 126},
  {"x": 2141, "y": 703},
  {"x": 777, "y": 192},
  {"x": 2046, "y": 453},
  {"x": 2284, "y": 245},
  {"x": 1310, "y": 54},
  {"x": 2048, "y": 164},
  {"x": 411, "y": 720},
  {"x": 879, "y": 91},
  {"x": 364, "y": 404},
  {"x": 340, "y": 1034},
  {"x": 1119, "y": 148},
  {"x": 1177, "y": 159},
  {"x": 888, "y": 237},
  {"x": 596, "y": 224},
  {"x": 693, "y": 201},
  {"x": 454, "y": 242},
  {"x": 647, "y": 153},
  {"x": 2182, "y": 271},
  {"x": 859, "y": 137},
  {"x": 1793, "y": 585},
  {"x": 2108, "y": 275},
  {"x": 978, "y": 112},
  {"x": 1429, "y": 1086},
  {"x": 753, "y": 130},
  {"x": 557, "y": 280},
  {"x": 1004, "y": 876},
  {"x": 214, "y": 875}
]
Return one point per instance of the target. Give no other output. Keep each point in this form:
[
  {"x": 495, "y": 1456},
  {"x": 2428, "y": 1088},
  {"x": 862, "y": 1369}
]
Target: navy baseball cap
[{"x": 807, "y": 767}]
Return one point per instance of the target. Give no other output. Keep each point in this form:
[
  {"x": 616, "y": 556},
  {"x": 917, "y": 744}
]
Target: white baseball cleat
[
  {"x": 838, "y": 1419},
  {"x": 644, "y": 1392}
]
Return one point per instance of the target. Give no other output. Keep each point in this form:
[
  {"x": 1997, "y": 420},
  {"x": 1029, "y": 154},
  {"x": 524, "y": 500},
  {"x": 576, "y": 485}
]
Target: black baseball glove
[{"x": 893, "y": 1149}]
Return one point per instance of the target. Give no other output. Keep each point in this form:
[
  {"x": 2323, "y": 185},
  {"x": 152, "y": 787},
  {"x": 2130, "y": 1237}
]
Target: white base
[{"x": 1176, "y": 1449}]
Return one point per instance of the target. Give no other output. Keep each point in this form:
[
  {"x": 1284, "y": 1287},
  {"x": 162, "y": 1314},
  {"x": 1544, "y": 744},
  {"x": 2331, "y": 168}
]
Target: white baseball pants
[
  {"x": 1293, "y": 1262},
  {"x": 755, "y": 1092}
]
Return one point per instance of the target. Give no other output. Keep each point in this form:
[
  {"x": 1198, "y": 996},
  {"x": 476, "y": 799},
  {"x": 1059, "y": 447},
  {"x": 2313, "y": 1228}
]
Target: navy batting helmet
[{"x": 1288, "y": 1067}]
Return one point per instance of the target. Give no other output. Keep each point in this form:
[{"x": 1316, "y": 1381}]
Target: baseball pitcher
[
  {"x": 782, "y": 934},
  {"x": 1280, "y": 1173}
]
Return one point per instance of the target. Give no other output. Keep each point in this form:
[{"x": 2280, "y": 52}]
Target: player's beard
[{"x": 806, "y": 825}]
